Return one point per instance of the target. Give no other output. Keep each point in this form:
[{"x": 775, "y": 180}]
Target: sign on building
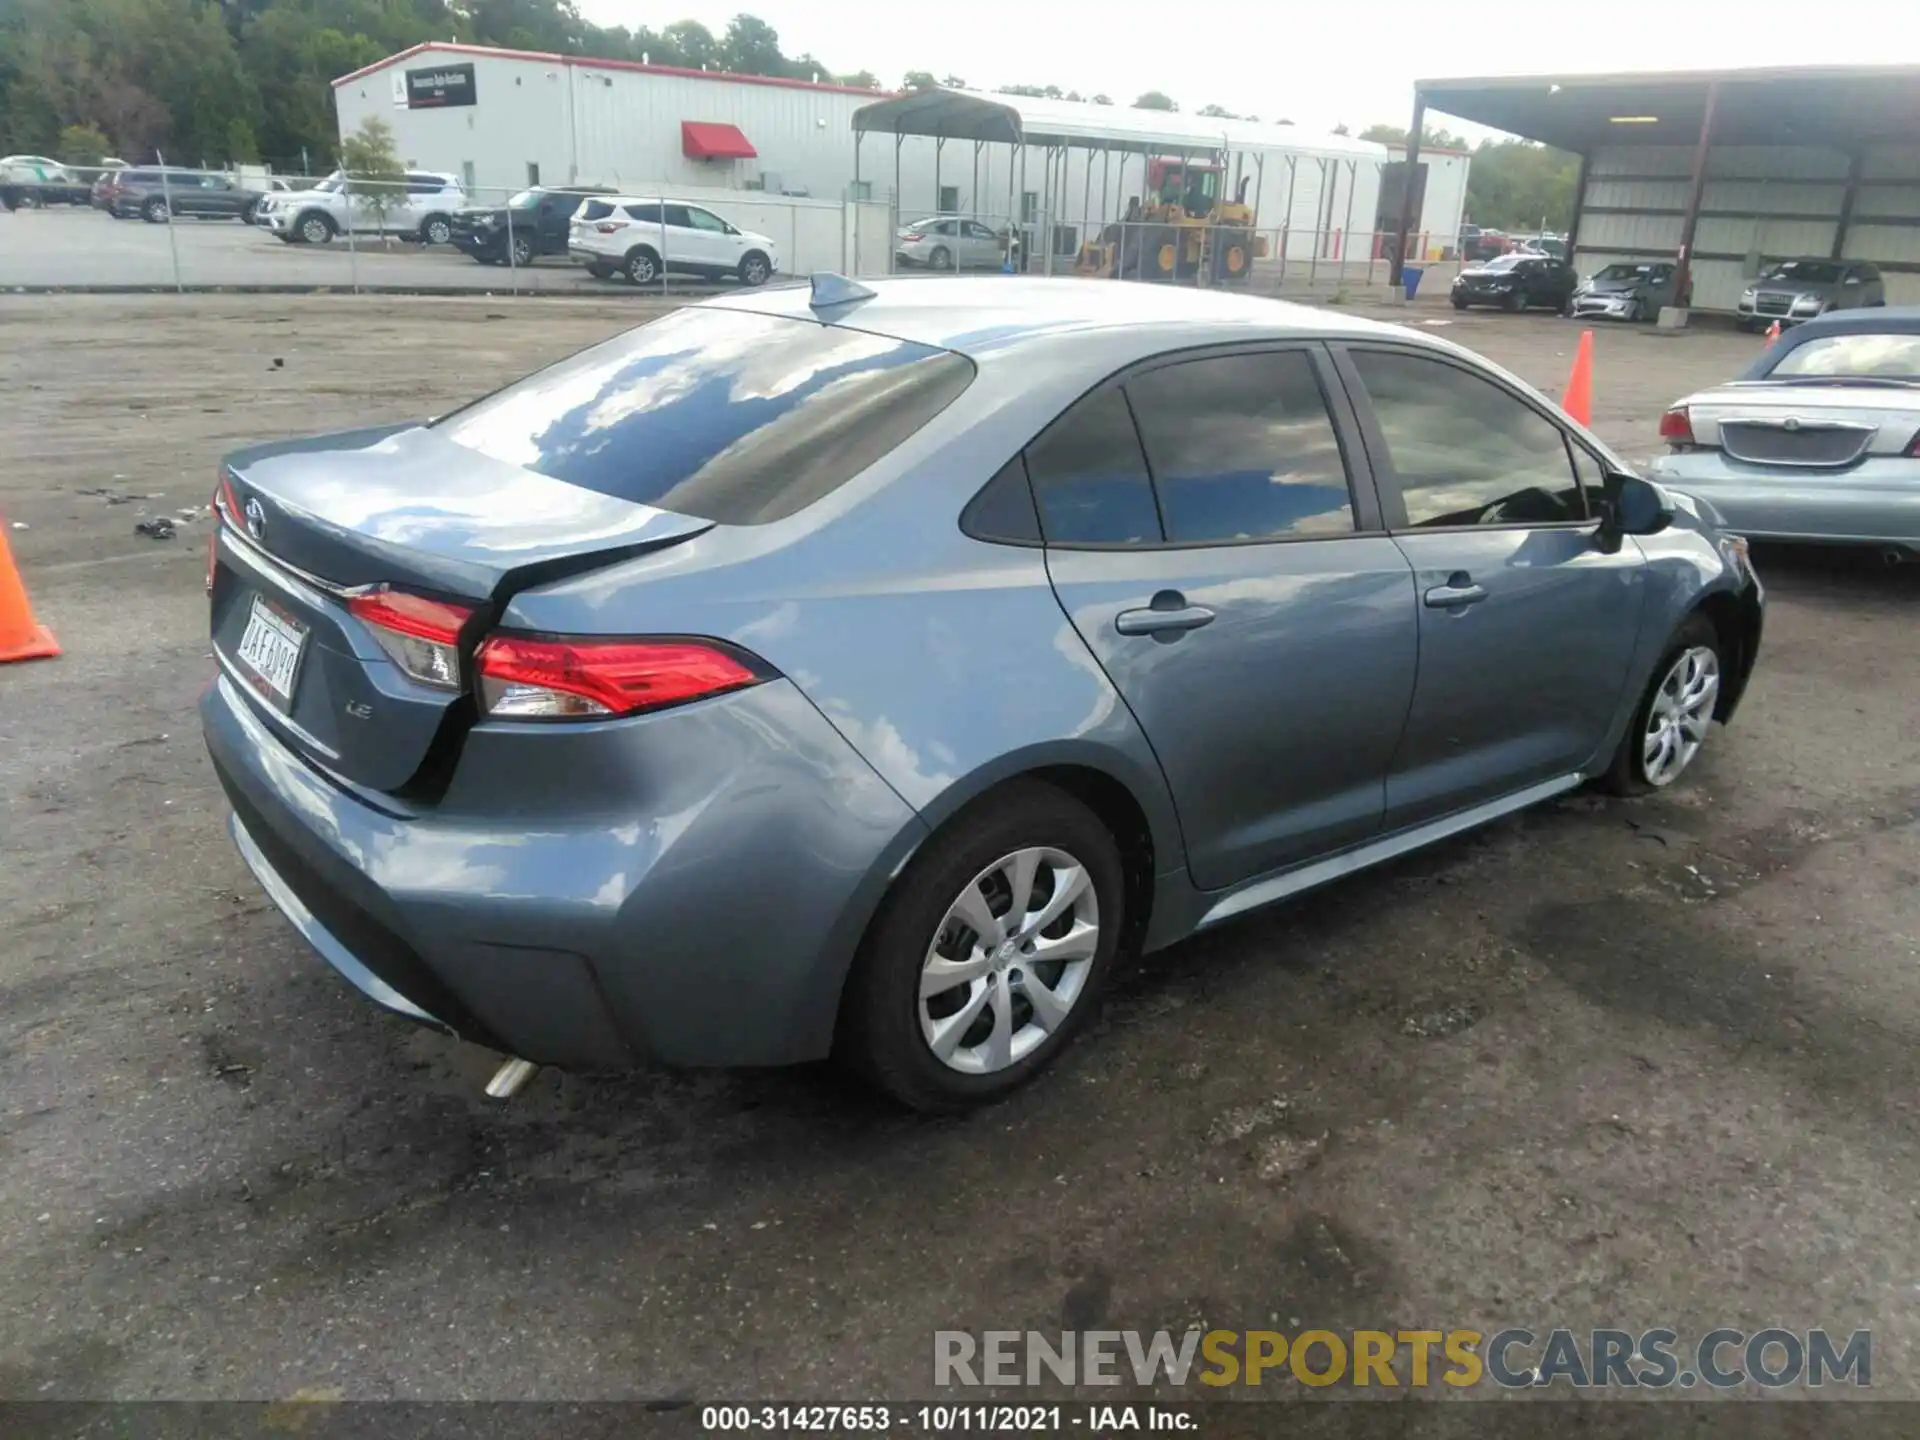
[{"x": 439, "y": 87}]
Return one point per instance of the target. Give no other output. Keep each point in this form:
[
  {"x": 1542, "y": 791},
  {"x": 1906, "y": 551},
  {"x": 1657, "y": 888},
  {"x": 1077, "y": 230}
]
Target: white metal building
[
  {"x": 504, "y": 119},
  {"x": 1726, "y": 170}
]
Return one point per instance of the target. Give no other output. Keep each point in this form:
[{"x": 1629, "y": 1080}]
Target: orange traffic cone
[
  {"x": 1773, "y": 332},
  {"x": 20, "y": 637},
  {"x": 1578, "y": 401}
]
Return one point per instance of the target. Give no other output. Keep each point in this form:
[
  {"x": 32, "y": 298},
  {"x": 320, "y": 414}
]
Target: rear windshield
[
  {"x": 720, "y": 414},
  {"x": 1892, "y": 356},
  {"x": 595, "y": 210}
]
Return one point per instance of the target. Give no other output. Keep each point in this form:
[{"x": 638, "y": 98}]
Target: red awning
[{"x": 705, "y": 140}]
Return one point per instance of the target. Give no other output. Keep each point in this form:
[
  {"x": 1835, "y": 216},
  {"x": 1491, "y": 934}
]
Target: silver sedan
[{"x": 948, "y": 242}]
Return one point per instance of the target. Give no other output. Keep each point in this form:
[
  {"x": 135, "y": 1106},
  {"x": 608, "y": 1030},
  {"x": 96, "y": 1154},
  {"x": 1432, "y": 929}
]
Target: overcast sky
[{"x": 1317, "y": 64}]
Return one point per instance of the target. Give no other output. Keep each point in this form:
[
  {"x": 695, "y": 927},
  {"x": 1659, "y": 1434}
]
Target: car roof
[
  {"x": 982, "y": 315},
  {"x": 1879, "y": 320}
]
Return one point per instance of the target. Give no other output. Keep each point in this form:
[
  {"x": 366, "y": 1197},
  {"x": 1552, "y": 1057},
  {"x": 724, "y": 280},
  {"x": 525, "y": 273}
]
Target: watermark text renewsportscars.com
[{"x": 1514, "y": 1358}]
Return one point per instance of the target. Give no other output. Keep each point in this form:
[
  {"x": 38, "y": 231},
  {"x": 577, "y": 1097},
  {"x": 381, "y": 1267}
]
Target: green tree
[
  {"x": 953, "y": 82},
  {"x": 752, "y": 47},
  {"x": 1429, "y": 136},
  {"x": 860, "y": 80},
  {"x": 377, "y": 181},
  {"x": 694, "y": 42},
  {"x": 1103, "y": 99},
  {"x": 1216, "y": 112},
  {"x": 242, "y": 147},
  {"x": 82, "y": 145},
  {"x": 919, "y": 80},
  {"x": 1515, "y": 184},
  {"x": 1154, "y": 100}
]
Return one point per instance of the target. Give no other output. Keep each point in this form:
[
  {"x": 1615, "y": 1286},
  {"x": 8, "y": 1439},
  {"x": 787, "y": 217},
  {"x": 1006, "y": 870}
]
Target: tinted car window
[
  {"x": 1591, "y": 475},
  {"x": 1465, "y": 452},
  {"x": 599, "y": 210},
  {"x": 1090, "y": 477},
  {"x": 1003, "y": 510},
  {"x": 645, "y": 214},
  {"x": 706, "y": 220},
  {"x": 737, "y": 418},
  {"x": 677, "y": 215},
  {"x": 1241, "y": 448}
]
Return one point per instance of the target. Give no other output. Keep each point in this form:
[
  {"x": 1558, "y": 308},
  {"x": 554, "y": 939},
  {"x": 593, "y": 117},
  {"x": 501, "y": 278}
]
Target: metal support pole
[
  {"x": 939, "y": 148},
  {"x": 1396, "y": 279},
  {"x": 1846, "y": 207},
  {"x": 353, "y": 250},
  {"x": 173, "y": 240},
  {"x": 513, "y": 269},
  {"x": 973, "y": 193},
  {"x": 1579, "y": 205},
  {"x": 1683, "y": 275},
  {"x": 1086, "y": 198},
  {"x": 1106, "y": 163},
  {"x": 1346, "y": 231},
  {"x": 1026, "y": 245},
  {"x": 1321, "y": 202},
  {"x": 1286, "y": 218},
  {"x": 858, "y": 136}
]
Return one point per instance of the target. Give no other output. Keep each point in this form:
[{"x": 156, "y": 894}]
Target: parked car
[
  {"x": 419, "y": 205},
  {"x": 1551, "y": 245},
  {"x": 642, "y": 239},
  {"x": 158, "y": 195},
  {"x": 1792, "y": 291},
  {"x": 1477, "y": 243},
  {"x": 1516, "y": 282},
  {"x": 531, "y": 224},
  {"x": 869, "y": 668},
  {"x": 1819, "y": 440},
  {"x": 27, "y": 181},
  {"x": 1628, "y": 290},
  {"x": 950, "y": 242}
]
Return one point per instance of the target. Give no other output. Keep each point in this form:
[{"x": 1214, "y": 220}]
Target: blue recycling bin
[{"x": 1410, "y": 278}]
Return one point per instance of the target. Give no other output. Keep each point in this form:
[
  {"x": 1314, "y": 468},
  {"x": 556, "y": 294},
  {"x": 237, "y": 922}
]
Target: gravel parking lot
[{"x": 1607, "y": 1063}]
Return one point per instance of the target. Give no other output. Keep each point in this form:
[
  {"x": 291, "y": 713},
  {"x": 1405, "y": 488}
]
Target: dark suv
[
  {"x": 1516, "y": 282},
  {"x": 157, "y": 195},
  {"x": 531, "y": 224}
]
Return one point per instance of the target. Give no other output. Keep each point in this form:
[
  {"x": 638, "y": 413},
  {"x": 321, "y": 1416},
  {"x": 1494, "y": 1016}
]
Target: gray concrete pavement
[{"x": 1605, "y": 1063}]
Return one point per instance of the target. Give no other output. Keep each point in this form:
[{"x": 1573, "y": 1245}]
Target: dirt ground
[{"x": 1605, "y": 1064}]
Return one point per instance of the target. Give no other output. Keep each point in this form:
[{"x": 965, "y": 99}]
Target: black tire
[
  {"x": 522, "y": 251},
  {"x": 1514, "y": 303},
  {"x": 1459, "y": 304},
  {"x": 643, "y": 265},
  {"x": 880, "y": 1032},
  {"x": 755, "y": 268},
  {"x": 314, "y": 228},
  {"x": 247, "y": 215},
  {"x": 1636, "y": 310},
  {"x": 940, "y": 258},
  {"x": 155, "y": 212},
  {"x": 1628, "y": 772},
  {"x": 436, "y": 230},
  {"x": 602, "y": 272}
]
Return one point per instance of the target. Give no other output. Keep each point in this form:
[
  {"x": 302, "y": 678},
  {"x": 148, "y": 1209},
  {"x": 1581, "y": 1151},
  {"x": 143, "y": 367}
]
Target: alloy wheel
[
  {"x": 1678, "y": 717},
  {"x": 1009, "y": 960}
]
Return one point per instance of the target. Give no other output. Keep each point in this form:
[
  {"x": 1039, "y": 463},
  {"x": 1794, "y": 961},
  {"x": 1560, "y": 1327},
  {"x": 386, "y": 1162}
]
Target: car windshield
[
  {"x": 719, "y": 414},
  {"x": 1506, "y": 262},
  {"x": 1813, "y": 272},
  {"x": 1866, "y": 356},
  {"x": 525, "y": 200}
]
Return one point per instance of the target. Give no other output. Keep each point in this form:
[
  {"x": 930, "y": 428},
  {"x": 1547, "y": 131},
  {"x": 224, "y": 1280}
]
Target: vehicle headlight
[{"x": 1807, "y": 302}]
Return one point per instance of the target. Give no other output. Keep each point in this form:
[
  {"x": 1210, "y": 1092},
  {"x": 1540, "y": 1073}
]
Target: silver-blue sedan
[
  {"x": 867, "y": 670},
  {"x": 1819, "y": 441}
]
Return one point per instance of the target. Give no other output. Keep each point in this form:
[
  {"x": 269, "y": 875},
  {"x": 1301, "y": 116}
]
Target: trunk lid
[
  {"x": 403, "y": 507},
  {"x": 1805, "y": 426}
]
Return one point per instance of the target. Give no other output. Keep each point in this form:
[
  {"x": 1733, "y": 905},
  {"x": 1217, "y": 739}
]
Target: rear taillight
[
  {"x": 534, "y": 678},
  {"x": 421, "y": 636},
  {"x": 1676, "y": 426}
]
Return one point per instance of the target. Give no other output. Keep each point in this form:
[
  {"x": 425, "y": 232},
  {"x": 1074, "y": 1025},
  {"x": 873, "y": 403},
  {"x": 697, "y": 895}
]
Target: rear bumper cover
[
  {"x": 1873, "y": 502},
  {"x": 669, "y": 888}
]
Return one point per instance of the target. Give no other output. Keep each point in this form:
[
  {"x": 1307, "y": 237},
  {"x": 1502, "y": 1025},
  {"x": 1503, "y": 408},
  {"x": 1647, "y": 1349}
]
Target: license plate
[{"x": 271, "y": 649}]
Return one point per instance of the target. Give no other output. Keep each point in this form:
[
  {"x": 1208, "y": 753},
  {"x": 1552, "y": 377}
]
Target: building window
[
  {"x": 949, "y": 199},
  {"x": 533, "y": 173},
  {"x": 860, "y": 190},
  {"x": 1029, "y": 206}
]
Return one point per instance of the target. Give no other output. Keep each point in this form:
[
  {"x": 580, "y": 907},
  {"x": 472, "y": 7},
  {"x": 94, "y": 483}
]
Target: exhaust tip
[{"x": 510, "y": 1077}]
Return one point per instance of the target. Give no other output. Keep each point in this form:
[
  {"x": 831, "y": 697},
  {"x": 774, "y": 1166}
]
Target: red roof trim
[
  {"x": 713, "y": 140},
  {"x": 588, "y": 63}
]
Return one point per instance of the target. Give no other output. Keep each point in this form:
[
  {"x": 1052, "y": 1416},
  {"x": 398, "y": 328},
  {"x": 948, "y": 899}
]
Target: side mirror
[{"x": 1630, "y": 506}]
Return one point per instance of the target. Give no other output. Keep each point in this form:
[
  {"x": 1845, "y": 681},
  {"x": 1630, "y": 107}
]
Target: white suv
[
  {"x": 423, "y": 211},
  {"x": 643, "y": 239}
]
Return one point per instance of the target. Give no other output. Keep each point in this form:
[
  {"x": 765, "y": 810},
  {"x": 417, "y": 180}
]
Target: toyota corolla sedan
[{"x": 861, "y": 671}]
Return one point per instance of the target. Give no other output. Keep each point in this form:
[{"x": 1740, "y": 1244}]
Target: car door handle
[
  {"x": 1169, "y": 614},
  {"x": 1457, "y": 593}
]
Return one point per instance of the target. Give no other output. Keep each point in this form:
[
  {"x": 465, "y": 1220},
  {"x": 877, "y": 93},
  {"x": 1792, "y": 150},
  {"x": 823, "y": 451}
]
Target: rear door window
[
  {"x": 644, "y": 214},
  {"x": 1241, "y": 447},
  {"x": 596, "y": 210},
  {"x": 733, "y": 417},
  {"x": 677, "y": 215},
  {"x": 1090, "y": 476}
]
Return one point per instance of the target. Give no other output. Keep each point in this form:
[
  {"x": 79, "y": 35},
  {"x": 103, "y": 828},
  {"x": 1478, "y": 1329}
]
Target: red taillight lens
[
  {"x": 421, "y": 636},
  {"x": 525, "y": 678},
  {"x": 1676, "y": 426}
]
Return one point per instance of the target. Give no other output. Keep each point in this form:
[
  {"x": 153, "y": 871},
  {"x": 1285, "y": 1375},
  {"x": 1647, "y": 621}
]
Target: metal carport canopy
[
  {"x": 1840, "y": 106},
  {"x": 1018, "y": 120}
]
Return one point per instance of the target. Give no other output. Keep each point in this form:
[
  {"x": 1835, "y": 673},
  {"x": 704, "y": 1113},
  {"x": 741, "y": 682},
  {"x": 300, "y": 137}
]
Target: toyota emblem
[{"x": 256, "y": 519}]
